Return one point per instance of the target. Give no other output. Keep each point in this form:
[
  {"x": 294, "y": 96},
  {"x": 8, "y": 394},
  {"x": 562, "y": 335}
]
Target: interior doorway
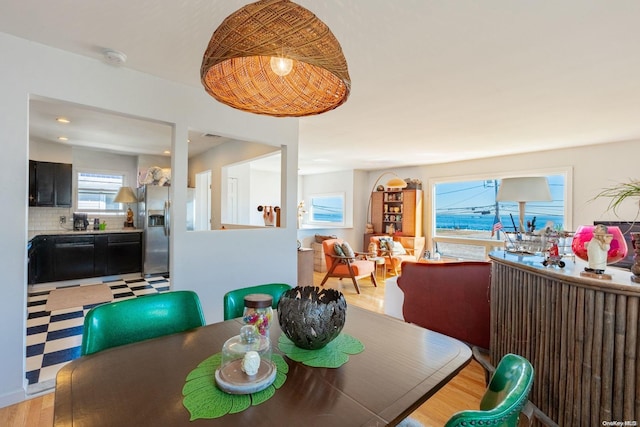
[{"x": 203, "y": 201}]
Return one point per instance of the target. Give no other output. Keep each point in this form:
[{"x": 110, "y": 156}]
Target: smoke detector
[{"x": 114, "y": 57}]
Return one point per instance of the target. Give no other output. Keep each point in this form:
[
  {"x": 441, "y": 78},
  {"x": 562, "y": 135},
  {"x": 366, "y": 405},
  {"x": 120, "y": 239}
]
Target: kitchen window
[{"x": 96, "y": 191}]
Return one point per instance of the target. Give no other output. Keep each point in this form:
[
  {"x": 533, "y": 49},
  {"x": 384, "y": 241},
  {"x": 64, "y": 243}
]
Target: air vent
[{"x": 210, "y": 135}]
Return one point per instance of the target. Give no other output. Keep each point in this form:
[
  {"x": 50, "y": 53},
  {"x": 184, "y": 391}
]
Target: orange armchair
[
  {"x": 342, "y": 265},
  {"x": 393, "y": 256}
]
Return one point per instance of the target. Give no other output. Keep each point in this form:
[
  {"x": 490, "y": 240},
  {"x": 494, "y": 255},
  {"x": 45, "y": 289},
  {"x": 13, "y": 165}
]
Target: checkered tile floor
[{"x": 54, "y": 337}]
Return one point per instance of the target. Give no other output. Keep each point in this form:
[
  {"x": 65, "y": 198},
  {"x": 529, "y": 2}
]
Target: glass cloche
[{"x": 246, "y": 365}]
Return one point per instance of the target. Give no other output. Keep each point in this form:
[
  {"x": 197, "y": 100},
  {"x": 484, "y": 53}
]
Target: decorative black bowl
[{"x": 310, "y": 316}]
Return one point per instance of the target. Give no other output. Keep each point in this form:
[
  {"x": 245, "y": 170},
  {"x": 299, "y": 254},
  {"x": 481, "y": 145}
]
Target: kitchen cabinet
[
  {"x": 40, "y": 262},
  {"x": 119, "y": 253},
  {"x": 397, "y": 211},
  {"x": 73, "y": 257},
  {"x": 50, "y": 184},
  {"x": 65, "y": 257}
]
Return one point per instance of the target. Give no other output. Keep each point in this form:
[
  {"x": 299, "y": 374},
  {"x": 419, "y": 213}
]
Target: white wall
[
  {"x": 353, "y": 184},
  {"x": 264, "y": 191},
  {"x": 211, "y": 263}
]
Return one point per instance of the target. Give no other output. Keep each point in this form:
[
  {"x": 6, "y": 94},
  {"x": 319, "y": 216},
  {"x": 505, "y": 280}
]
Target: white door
[{"x": 203, "y": 201}]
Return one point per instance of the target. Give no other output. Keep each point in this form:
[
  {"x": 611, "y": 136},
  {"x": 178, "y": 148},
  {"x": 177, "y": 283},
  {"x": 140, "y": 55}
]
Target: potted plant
[{"x": 618, "y": 194}]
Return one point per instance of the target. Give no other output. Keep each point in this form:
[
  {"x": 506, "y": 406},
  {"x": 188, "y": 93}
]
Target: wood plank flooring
[{"x": 462, "y": 392}]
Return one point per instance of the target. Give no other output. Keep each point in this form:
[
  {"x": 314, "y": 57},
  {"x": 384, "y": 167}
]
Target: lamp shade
[
  {"x": 237, "y": 65},
  {"x": 396, "y": 183},
  {"x": 524, "y": 189},
  {"x": 125, "y": 195}
]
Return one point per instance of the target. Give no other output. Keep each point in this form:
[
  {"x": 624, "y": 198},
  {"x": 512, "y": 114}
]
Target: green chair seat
[
  {"x": 234, "y": 300},
  {"x": 137, "y": 319},
  {"x": 505, "y": 397}
]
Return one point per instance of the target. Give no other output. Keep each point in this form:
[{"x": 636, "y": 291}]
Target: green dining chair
[
  {"x": 234, "y": 300},
  {"x": 137, "y": 319},
  {"x": 505, "y": 397}
]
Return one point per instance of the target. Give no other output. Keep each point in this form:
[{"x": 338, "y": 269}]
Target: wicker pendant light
[{"x": 308, "y": 74}]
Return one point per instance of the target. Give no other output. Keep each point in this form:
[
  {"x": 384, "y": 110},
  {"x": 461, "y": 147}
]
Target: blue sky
[{"x": 473, "y": 197}]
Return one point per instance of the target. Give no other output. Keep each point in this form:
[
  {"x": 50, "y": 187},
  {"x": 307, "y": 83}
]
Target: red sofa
[{"x": 451, "y": 298}]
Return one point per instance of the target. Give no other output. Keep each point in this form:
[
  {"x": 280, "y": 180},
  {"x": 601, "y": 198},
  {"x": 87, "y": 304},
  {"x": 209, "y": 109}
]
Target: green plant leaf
[
  {"x": 333, "y": 355},
  {"x": 619, "y": 193},
  {"x": 203, "y": 398}
]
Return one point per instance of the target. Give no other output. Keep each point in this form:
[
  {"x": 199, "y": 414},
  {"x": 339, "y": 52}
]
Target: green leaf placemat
[
  {"x": 203, "y": 398},
  {"x": 333, "y": 355}
]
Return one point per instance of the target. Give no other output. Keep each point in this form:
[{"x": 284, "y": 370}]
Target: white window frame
[{"x": 311, "y": 214}]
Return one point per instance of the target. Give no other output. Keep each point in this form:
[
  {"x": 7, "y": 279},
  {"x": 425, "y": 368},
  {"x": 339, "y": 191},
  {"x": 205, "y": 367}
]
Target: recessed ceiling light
[
  {"x": 63, "y": 138},
  {"x": 167, "y": 152},
  {"x": 63, "y": 120}
]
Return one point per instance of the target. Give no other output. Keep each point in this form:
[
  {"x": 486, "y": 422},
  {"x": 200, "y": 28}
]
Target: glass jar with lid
[
  {"x": 246, "y": 365},
  {"x": 258, "y": 312}
]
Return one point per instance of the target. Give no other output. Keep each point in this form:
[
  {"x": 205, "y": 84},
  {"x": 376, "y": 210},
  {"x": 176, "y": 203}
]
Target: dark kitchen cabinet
[
  {"x": 124, "y": 253},
  {"x": 73, "y": 257},
  {"x": 50, "y": 184},
  {"x": 66, "y": 257},
  {"x": 119, "y": 253},
  {"x": 40, "y": 260}
]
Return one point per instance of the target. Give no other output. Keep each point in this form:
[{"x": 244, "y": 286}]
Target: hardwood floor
[{"x": 463, "y": 392}]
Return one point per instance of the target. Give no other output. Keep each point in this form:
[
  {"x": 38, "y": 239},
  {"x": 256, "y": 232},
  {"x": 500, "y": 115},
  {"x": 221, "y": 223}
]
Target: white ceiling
[{"x": 432, "y": 81}]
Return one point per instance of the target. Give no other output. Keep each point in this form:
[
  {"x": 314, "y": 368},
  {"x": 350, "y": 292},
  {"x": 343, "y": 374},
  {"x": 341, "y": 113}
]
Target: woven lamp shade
[{"x": 236, "y": 66}]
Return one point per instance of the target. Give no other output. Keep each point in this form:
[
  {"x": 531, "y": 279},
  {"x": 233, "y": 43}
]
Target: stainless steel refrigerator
[{"x": 154, "y": 210}]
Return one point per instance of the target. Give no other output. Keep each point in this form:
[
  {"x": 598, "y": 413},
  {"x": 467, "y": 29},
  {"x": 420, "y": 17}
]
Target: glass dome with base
[{"x": 246, "y": 365}]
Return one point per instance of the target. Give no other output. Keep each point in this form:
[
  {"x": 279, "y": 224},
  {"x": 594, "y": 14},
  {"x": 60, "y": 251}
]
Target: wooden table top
[{"x": 401, "y": 366}]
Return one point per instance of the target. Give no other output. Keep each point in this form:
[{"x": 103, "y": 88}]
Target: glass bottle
[{"x": 258, "y": 312}]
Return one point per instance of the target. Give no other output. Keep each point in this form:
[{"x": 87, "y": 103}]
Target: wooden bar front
[{"x": 580, "y": 334}]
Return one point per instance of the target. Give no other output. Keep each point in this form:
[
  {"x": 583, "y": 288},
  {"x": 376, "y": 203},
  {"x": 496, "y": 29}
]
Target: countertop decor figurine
[
  {"x": 597, "y": 250},
  {"x": 599, "y": 245}
]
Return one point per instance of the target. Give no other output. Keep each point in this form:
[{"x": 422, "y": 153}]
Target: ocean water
[{"x": 485, "y": 222}]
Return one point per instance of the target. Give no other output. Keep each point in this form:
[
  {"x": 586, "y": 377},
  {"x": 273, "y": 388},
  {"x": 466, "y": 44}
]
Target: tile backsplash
[{"x": 48, "y": 219}]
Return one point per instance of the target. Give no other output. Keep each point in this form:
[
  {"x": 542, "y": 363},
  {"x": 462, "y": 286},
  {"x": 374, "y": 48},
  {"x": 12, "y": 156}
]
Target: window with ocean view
[
  {"x": 469, "y": 210},
  {"x": 327, "y": 209}
]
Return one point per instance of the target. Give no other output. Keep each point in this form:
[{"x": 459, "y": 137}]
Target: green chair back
[
  {"x": 234, "y": 300},
  {"x": 505, "y": 397},
  {"x": 137, "y": 319}
]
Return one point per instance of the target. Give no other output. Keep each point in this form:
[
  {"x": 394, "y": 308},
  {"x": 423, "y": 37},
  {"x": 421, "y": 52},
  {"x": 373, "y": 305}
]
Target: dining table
[{"x": 141, "y": 384}]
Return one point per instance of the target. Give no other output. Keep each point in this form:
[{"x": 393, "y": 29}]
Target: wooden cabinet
[
  {"x": 73, "y": 257},
  {"x": 124, "y": 253},
  {"x": 397, "y": 211},
  {"x": 50, "y": 184},
  {"x": 40, "y": 260},
  {"x": 66, "y": 257},
  {"x": 118, "y": 253}
]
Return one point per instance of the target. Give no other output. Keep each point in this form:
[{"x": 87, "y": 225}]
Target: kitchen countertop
[{"x": 88, "y": 231}]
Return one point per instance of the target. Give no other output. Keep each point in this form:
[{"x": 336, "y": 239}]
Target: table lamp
[
  {"x": 126, "y": 195},
  {"x": 522, "y": 190}
]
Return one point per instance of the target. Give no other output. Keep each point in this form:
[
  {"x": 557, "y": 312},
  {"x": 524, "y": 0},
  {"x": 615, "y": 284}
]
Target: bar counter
[{"x": 580, "y": 334}]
